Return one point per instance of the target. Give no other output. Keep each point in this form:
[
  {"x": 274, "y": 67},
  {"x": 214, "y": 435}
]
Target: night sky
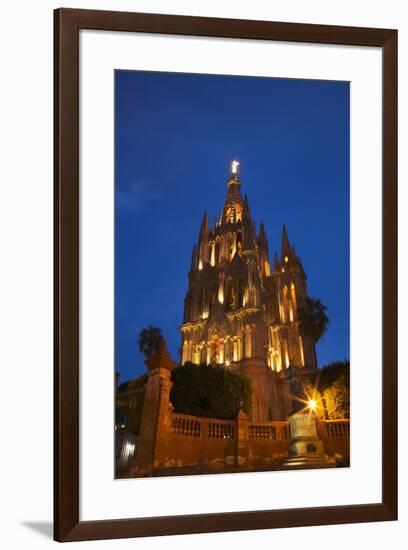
[{"x": 175, "y": 137}]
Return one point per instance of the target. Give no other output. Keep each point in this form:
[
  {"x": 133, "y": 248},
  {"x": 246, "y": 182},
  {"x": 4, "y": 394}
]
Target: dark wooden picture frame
[{"x": 67, "y": 24}]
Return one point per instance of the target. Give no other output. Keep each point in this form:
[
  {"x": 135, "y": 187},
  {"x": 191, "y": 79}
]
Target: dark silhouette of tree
[
  {"x": 313, "y": 319},
  {"x": 208, "y": 391},
  {"x": 150, "y": 339}
]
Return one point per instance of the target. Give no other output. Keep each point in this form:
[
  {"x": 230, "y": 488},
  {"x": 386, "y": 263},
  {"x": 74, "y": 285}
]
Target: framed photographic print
[{"x": 225, "y": 274}]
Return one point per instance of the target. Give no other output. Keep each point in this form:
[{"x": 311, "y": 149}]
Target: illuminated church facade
[{"x": 242, "y": 311}]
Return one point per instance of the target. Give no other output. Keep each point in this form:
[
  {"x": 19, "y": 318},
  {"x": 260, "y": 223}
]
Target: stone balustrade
[
  {"x": 277, "y": 431},
  {"x": 192, "y": 426},
  {"x": 188, "y": 426},
  {"x": 224, "y": 429},
  {"x": 336, "y": 428}
]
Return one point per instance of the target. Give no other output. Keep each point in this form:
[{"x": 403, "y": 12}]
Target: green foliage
[
  {"x": 150, "y": 339},
  {"x": 334, "y": 387},
  {"x": 208, "y": 391},
  {"x": 336, "y": 399},
  {"x": 332, "y": 372},
  {"x": 313, "y": 319}
]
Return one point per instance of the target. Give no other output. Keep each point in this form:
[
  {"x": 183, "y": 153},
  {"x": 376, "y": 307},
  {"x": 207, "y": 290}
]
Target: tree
[
  {"x": 333, "y": 382},
  {"x": 150, "y": 339},
  {"x": 313, "y": 320},
  {"x": 336, "y": 400},
  {"x": 332, "y": 372},
  {"x": 208, "y": 391}
]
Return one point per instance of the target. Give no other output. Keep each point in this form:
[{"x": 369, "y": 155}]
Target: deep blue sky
[{"x": 175, "y": 137}]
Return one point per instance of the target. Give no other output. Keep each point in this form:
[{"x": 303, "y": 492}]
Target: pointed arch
[
  {"x": 212, "y": 253},
  {"x": 214, "y": 295},
  {"x": 230, "y": 294},
  {"x": 293, "y": 297},
  {"x": 239, "y": 243},
  {"x": 215, "y": 346},
  {"x": 228, "y": 350},
  {"x": 203, "y": 303},
  {"x": 229, "y": 246}
]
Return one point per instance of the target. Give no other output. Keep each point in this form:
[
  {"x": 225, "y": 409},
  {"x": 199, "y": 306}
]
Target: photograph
[
  {"x": 204, "y": 242},
  {"x": 231, "y": 274}
]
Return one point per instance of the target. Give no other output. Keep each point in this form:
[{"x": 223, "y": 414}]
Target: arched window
[
  {"x": 239, "y": 243},
  {"x": 286, "y": 353},
  {"x": 230, "y": 295},
  {"x": 212, "y": 254},
  {"x": 228, "y": 350},
  {"x": 237, "y": 349},
  {"x": 214, "y": 295},
  {"x": 286, "y": 306},
  {"x": 200, "y": 256},
  {"x": 229, "y": 246},
  {"x": 293, "y": 296},
  {"x": 215, "y": 350},
  {"x": 203, "y": 305}
]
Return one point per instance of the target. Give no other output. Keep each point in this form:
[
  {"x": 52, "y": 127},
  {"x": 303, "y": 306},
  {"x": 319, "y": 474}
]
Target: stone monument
[{"x": 306, "y": 450}]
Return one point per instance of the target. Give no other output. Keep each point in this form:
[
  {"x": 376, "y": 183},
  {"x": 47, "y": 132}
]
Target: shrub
[{"x": 208, "y": 391}]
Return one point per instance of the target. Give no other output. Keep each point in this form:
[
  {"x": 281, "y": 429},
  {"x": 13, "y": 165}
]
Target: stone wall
[
  {"x": 208, "y": 445},
  {"x": 335, "y": 435},
  {"x": 170, "y": 442}
]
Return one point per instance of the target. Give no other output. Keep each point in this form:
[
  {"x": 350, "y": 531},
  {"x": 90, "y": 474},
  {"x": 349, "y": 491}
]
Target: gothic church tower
[{"x": 241, "y": 313}]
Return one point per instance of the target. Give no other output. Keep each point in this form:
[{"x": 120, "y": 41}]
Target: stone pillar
[
  {"x": 306, "y": 449},
  {"x": 258, "y": 373},
  {"x": 242, "y": 456},
  {"x": 155, "y": 427}
]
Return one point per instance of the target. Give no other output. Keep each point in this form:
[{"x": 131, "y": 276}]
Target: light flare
[{"x": 234, "y": 166}]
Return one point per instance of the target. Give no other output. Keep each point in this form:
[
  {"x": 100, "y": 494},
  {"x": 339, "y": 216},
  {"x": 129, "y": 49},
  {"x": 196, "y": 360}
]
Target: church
[{"x": 241, "y": 311}]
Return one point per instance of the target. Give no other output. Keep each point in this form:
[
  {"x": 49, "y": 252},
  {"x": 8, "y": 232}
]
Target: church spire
[
  {"x": 262, "y": 233},
  {"x": 263, "y": 240},
  {"x": 204, "y": 226},
  {"x": 286, "y": 248},
  {"x": 194, "y": 259},
  {"x": 232, "y": 211}
]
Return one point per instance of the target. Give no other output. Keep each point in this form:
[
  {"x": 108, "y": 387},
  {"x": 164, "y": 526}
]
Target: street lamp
[{"x": 312, "y": 404}]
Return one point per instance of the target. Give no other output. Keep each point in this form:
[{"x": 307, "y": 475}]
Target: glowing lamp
[{"x": 312, "y": 404}]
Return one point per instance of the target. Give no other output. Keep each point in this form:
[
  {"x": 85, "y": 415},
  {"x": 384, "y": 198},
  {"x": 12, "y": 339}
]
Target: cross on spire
[{"x": 234, "y": 166}]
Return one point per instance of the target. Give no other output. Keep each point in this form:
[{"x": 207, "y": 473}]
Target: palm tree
[
  {"x": 313, "y": 319},
  {"x": 150, "y": 339}
]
